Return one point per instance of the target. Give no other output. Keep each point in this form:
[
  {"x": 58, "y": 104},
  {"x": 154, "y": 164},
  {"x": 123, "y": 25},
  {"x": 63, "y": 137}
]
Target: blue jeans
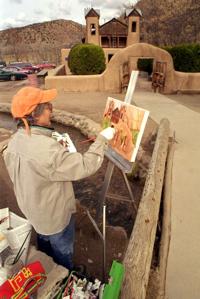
[{"x": 59, "y": 246}]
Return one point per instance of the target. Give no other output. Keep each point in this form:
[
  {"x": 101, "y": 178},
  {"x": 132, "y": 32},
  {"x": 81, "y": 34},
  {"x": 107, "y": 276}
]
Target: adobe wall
[
  {"x": 110, "y": 79},
  {"x": 133, "y": 37},
  {"x": 187, "y": 82},
  {"x": 108, "y": 51},
  {"x": 58, "y": 71},
  {"x": 75, "y": 83},
  {"x": 137, "y": 50},
  {"x": 64, "y": 55},
  {"x": 92, "y": 39}
]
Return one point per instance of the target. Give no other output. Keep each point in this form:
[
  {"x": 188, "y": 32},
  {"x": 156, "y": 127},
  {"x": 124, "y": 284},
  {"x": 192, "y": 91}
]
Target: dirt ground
[{"x": 92, "y": 104}]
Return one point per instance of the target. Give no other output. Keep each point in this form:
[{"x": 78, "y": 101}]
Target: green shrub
[
  {"x": 186, "y": 57},
  {"x": 145, "y": 64},
  {"x": 196, "y": 52},
  {"x": 86, "y": 59}
]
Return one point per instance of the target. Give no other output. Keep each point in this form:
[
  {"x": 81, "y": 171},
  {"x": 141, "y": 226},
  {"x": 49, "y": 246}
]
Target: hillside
[
  {"x": 164, "y": 22},
  {"x": 39, "y": 42},
  {"x": 169, "y": 22}
]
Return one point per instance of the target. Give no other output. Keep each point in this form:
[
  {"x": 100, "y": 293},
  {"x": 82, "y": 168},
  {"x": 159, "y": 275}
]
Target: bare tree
[{"x": 1, "y": 55}]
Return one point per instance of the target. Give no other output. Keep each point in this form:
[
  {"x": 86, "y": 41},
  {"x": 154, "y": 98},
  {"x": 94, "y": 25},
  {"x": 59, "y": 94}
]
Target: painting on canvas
[{"x": 129, "y": 122}]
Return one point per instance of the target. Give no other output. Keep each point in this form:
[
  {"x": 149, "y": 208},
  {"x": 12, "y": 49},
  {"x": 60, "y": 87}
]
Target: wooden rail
[{"x": 138, "y": 256}]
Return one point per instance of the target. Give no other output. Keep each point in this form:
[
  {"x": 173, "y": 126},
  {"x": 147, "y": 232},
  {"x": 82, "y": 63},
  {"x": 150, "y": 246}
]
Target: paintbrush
[{"x": 21, "y": 250}]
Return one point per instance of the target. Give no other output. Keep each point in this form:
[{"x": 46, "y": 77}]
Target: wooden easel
[{"x": 115, "y": 160}]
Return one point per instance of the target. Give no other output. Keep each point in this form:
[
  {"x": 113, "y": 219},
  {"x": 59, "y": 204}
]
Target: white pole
[{"x": 131, "y": 87}]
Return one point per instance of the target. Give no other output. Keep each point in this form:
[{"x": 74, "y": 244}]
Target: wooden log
[
  {"x": 138, "y": 256},
  {"x": 166, "y": 223}
]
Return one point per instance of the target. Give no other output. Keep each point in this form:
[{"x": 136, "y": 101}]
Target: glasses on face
[{"x": 49, "y": 106}]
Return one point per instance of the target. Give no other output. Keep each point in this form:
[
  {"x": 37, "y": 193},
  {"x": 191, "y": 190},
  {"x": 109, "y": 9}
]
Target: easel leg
[
  {"x": 129, "y": 190},
  {"x": 106, "y": 183},
  {"x": 101, "y": 209},
  {"x": 104, "y": 242}
]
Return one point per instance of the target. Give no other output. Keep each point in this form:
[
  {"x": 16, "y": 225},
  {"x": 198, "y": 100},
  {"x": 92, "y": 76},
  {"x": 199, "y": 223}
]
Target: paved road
[
  {"x": 190, "y": 101},
  {"x": 91, "y": 104},
  {"x": 183, "y": 271}
]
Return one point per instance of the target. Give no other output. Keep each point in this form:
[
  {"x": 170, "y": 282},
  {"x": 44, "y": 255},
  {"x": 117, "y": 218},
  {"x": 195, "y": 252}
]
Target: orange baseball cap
[{"x": 26, "y": 100}]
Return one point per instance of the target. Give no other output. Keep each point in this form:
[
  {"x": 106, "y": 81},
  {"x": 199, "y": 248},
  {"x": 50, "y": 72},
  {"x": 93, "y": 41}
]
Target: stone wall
[{"x": 86, "y": 126}]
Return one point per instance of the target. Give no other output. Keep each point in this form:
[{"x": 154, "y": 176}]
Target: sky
[{"x": 18, "y": 13}]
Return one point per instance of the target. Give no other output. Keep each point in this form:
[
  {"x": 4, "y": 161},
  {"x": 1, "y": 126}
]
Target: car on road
[
  {"x": 46, "y": 65},
  {"x": 16, "y": 69},
  {"x": 25, "y": 66},
  {"x": 7, "y": 75},
  {"x": 2, "y": 64}
]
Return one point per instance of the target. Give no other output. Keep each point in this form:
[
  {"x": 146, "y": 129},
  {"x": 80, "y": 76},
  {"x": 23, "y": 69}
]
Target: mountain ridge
[{"x": 164, "y": 22}]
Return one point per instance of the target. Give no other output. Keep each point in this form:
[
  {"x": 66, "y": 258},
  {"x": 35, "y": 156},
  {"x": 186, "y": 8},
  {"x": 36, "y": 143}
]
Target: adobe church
[{"x": 112, "y": 35}]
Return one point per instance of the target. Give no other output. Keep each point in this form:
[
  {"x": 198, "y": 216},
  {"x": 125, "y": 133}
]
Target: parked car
[
  {"x": 2, "y": 64},
  {"x": 16, "y": 69},
  {"x": 7, "y": 75},
  {"x": 46, "y": 65},
  {"x": 25, "y": 66}
]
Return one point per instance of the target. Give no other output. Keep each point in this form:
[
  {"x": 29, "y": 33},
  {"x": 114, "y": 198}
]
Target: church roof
[
  {"x": 133, "y": 12},
  {"x": 114, "y": 27},
  {"x": 91, "y": 12}
]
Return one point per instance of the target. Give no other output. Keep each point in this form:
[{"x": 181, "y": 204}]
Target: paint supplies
[
  {"x": 12, "y": 266},
  {"x": 24, "y": 283},
  {"x": 3, "y": 275},
  {"x": 5, "y": 249},
  {"x": 15, "y": 229},
  {"x": 3, "y": 242},
  {"x": 65, "y": 140},
  {"x": 79, "y": 288},
  {"x": 112, "y": 289}
]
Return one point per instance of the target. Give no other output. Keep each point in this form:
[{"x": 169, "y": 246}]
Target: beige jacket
[{"x": 42, "y": 170}]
